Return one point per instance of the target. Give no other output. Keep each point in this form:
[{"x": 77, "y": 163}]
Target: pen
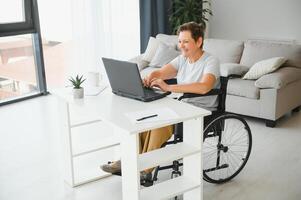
[{"x": 143, "y": 118}]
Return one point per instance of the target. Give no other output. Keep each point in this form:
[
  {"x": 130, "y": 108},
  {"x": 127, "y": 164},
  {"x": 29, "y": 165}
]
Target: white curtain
[{"x": 103, "y": 28}]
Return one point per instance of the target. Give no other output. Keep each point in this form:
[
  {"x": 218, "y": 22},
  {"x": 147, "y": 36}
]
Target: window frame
[
  {"x": 18, "y": 28},
  {"x": 31, "y": 25}
]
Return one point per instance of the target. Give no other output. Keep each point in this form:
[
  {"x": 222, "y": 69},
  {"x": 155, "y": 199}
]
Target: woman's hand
[
  {"x": 148, "y": 80},
  {"x": 161, "y": 84}
]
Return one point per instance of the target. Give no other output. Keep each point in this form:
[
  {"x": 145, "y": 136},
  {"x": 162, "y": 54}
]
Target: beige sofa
[{"x": 269, "y": 97}]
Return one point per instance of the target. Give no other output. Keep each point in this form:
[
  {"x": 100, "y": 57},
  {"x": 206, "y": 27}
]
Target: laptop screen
[{"x": 124, "y": 77}]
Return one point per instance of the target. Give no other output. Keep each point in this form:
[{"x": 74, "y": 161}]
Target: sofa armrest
[
  {"x": 279, "y": 78},
  {"x": 140, "y": 62},
  {"x": 227, "y": 69}
]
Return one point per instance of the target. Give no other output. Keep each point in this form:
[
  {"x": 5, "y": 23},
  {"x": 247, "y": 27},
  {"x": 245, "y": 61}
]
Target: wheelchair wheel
[{"x": 227, "y": 146}]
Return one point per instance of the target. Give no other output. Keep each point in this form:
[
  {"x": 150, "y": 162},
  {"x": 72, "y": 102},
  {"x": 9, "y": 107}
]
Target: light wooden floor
[{"x": 31, "y": 166}]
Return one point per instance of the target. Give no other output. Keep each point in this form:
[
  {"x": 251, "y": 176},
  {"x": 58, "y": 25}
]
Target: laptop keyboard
[{"x": 151, "y": 92}]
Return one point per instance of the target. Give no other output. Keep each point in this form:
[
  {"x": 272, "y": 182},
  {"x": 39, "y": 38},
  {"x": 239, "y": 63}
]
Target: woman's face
[{"x": 187, "y": 44}]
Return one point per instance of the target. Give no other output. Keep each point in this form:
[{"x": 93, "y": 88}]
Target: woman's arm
[
  {"x": 205, "y": 85},
  {"x": 166, "y": 72}
]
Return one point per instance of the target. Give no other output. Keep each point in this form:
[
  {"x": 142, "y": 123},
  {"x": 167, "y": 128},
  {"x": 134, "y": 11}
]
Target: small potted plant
[{"x": 78, "y": 91}]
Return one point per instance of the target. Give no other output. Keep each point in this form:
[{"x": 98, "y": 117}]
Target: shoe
[
  {"x": 146, "y": 179},
  {"x": 112, "y": 167}
]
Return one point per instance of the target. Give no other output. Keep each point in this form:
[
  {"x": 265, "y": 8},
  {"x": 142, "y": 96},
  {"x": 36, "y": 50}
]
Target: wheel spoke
[{"x": 235, "y": 134}]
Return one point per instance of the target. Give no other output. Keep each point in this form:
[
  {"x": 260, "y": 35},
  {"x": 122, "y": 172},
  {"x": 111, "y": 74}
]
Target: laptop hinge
[{"x": 120, "y": 93}]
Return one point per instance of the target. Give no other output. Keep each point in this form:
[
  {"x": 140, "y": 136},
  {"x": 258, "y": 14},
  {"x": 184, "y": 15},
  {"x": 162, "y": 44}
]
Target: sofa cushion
[
  {"x": 255, "y": 51},
  {"x": 279, "y": 78},
  {"x": 170, "y": 40},
  {"x": 151, "y": 49},
  {"x": 243, "y": 88},
  {"x": 140, "y": 62},
  {"x": 227, "y": 69},
  {"x": 163, "y": 55},
  {"x": 264, "y": 67},
  {"x": 227, "y": 51}
]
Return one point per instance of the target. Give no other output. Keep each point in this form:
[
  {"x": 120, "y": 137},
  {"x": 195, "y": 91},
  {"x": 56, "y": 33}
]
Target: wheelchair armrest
[
  {"x": 212, "y": 92},
  {"x": 171, "y": 81},
  {"x": 192, "y": 95},
  {"x": 233, "y": 76}
]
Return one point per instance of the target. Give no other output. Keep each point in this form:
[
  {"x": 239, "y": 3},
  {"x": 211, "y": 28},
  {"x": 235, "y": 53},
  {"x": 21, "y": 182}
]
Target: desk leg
[
  {"x": 66, "y": 142},
  {"x": 193, "y": 135},
  {"x": 129, "y": 159}
]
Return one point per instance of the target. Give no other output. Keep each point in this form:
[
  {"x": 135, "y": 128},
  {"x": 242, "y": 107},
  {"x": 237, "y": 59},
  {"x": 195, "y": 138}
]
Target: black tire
[{"x": 227, "y": 145}]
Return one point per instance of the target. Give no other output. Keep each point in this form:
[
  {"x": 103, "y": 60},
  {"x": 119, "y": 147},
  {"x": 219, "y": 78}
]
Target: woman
[{"x": 196, "y": 72}]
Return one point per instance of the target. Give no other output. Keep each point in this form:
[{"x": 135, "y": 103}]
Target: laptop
[{"x": 126, "y": 81}]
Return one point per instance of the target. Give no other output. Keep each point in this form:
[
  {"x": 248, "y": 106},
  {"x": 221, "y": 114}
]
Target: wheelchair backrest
[{"x": 222, "y": 94}]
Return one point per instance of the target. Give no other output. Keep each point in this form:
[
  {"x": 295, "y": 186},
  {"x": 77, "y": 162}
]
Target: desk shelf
[
  {"x": 88, "y": 143},
  {"x": 92, "y": 137},
  {"x": 111, "y": 142},
  {"x": 83, "y": 123},
  {"x": 167, "y": 189},
  {"x": 81, "y": 118},
  {"x": 87, "y": 167},
  {"x": 166, "y": 154}
]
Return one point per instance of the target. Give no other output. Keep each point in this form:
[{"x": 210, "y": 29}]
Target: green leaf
[
  {"x": 77, "y": 81},
  {"x": 187, "y": 10}
]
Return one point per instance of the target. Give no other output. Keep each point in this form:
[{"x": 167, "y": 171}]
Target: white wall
[{"x": 245, "y": 19}]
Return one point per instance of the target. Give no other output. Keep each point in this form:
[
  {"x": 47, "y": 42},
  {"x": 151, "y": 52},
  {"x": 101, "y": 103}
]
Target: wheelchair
[{"x": 227, "y": 142}]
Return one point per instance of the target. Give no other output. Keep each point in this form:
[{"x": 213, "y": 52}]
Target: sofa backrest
[
  {"x": 227, "y": 51},
  {"x": 255, "y": 51}
]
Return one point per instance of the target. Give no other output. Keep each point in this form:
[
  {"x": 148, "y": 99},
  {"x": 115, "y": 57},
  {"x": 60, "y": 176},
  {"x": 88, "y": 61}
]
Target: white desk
[{"x": 110, "y": 109}]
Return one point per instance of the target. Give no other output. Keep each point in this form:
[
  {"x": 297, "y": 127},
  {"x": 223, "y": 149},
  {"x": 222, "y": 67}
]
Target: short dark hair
[{"x": 196, "y": 30}]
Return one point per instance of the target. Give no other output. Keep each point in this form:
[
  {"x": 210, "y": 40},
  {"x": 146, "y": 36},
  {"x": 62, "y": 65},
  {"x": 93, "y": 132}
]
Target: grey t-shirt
[{"x": 193, "y": 72}]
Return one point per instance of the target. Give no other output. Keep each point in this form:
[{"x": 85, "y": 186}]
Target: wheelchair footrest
[
  {"x": 117, "y": 174},
  {"x": 217, "y": 168},
  {"x": 147, "y": 183}
]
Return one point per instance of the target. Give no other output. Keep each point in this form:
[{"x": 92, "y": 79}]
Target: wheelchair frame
[{"x": 214, "y": 127}]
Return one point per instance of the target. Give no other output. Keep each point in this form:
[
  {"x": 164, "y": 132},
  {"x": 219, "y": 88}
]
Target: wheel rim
[{"x": 225, "y": 156}]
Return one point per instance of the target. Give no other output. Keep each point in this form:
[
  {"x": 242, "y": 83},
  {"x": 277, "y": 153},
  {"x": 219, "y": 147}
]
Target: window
[
  {"x": 22, "y": 73},
  {"x": 16, "y": 11}
]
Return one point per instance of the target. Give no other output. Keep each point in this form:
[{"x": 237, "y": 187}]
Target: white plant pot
[{"x": 78, "y": 93}]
